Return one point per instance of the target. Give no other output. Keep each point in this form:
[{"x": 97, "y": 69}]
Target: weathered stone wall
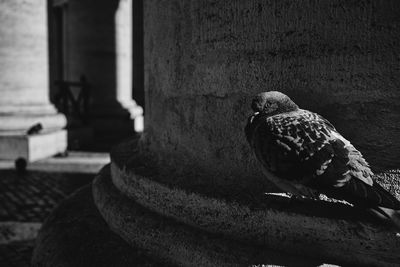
[{"x": 204, "y": 60}]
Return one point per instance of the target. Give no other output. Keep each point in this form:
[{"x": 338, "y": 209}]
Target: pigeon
[{"x": 303, "y": 154}]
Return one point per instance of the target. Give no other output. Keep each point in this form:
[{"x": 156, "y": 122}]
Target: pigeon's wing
[
  {"x": 305, "y": 148},
  {"x": 294, "y": 146}
]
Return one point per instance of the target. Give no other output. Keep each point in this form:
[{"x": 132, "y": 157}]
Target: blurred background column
[
  {"x": 24, "y": 83},
  {"x": 98, "y": 44}
]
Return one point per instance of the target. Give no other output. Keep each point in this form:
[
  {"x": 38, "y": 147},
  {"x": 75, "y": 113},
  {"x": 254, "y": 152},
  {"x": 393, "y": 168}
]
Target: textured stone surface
[
  {"x": 76, "y": 235},
  {"x": 178, "y": 243},
  {"x": 334, "y": 231},
  {"x": 205, "y": 59}
]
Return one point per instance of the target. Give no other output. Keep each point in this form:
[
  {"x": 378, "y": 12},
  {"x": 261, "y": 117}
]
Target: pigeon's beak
[{"x": 253, "y": 116}]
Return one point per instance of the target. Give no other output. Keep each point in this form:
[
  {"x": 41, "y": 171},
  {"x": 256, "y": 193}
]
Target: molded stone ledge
[
  {"x": 175, "y": 242},
  {"x": 329, "y": 231}
]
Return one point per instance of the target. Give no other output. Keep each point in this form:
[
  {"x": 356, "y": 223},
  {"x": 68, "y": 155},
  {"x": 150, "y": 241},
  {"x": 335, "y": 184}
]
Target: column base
[
  {"x": 318, "y": 229},
  {"x": 33, "y": 147},
  {"x": 176, "y": 243}
]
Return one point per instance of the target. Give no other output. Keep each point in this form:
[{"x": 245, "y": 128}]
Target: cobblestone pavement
[{"x": 29, "y": 198}]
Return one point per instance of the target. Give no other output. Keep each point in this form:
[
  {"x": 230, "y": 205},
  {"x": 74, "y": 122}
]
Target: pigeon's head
[{"x": 273, "y": 102}]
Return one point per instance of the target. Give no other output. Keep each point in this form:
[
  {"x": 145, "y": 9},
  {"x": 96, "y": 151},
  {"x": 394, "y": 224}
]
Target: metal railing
[{"x": 72, "y": 98}]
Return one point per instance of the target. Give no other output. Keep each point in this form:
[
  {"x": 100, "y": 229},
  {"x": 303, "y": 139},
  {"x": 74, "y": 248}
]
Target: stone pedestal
[
  {"x": 32, "y": 147},
  {"x": 24, "y": 84},
  {"x": 245, "y": 230},
  {"x": 183, "y": 224}
]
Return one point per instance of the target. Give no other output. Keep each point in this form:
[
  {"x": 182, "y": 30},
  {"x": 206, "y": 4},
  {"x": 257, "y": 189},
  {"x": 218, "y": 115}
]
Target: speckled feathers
[{"x": 303, "y": 148}]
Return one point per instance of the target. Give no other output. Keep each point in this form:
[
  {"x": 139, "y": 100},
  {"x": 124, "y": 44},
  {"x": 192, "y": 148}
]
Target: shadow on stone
[{"x": 76, "y": 235}]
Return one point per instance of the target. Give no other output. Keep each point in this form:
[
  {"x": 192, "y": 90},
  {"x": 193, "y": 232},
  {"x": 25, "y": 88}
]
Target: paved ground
[
  {"x": 16, "y": 254},
  {"x": 31, "y": 197},
  {"x": 27, "y": 199}
]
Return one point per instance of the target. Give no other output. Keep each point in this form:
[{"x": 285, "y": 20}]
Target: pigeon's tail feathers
[
  {"x": 388, "y": 214},
  {"x": 362, "y": 194},
  {"x": 389, "y": 207},
  {"x": 387, "y": 200}
]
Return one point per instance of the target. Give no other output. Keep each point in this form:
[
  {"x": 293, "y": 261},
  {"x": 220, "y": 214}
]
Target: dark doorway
[
  {"x": 137, "y": 53},
  {"x": 57, "y": 43}
]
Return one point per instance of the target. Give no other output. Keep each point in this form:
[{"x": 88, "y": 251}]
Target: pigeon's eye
[{"x": 270, "y": 106}]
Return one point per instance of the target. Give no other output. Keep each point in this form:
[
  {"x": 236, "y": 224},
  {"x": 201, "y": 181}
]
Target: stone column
[
  {"x": 99, "y": 47},
  {"x": 24, "y": 99},
  {"x": 190, "y": 192}
]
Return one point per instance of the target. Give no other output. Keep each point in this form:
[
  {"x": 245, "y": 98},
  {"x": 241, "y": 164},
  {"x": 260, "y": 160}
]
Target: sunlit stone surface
[{"x": 24, "y": 84}]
